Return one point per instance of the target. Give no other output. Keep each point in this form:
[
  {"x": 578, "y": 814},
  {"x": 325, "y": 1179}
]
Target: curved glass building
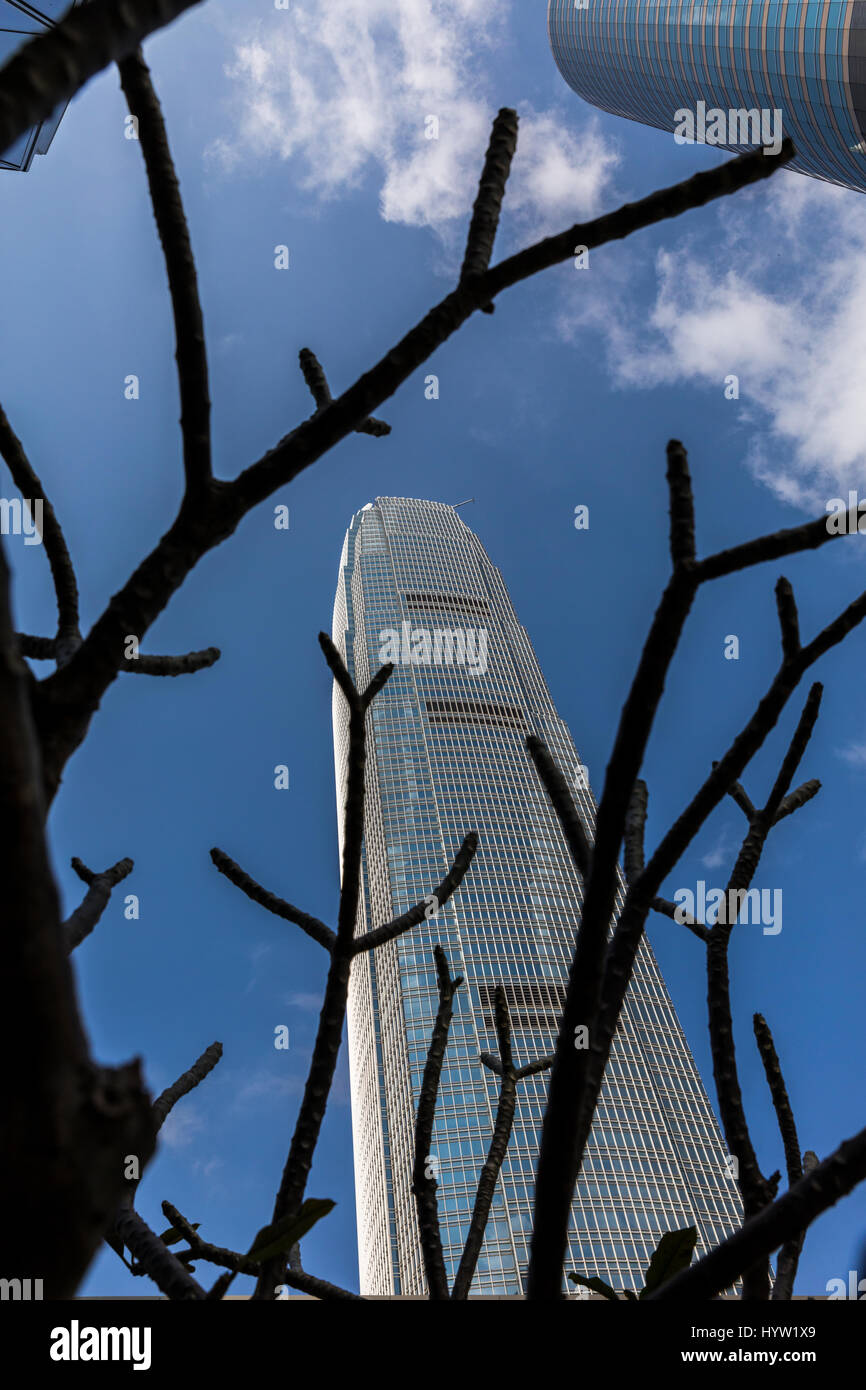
[
  {"x": 446, "y": 754},
  {"x": 19, "y": 22},
  {"x": 653, "y": 60}
]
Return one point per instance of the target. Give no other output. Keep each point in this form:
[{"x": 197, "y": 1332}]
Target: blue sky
[{"x": 306, "y": 129}]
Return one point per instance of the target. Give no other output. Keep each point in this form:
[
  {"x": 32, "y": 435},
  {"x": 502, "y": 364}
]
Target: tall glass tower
[
  {"x": 650, "y": 59},
  {"x": 19, "y": 22},
  {"x": 447, "y": 755}
]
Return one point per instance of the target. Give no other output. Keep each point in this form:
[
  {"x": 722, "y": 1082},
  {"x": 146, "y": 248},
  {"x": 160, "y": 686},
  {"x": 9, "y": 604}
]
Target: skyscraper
[
  {"x": 20, "y": 21},
  {"x": 446, "y": 755},
  {"x": 805, "y": 59}
]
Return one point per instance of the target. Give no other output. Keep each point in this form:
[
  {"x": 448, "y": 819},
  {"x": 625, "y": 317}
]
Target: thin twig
[
  {"x": 278, "y": 906},
  {"x": 314, "y": 376},
  {"x": 191, "y": 353},
  {"x": 164, "y": 1103},
  {"x": 446, "y": 889},
  {"x": 424, "y": 1186},
  {"x": 80, "y": 923},
  {"x": 488, "y": 203},
  {"x": 503, "y": 1067},
  {"x": 185, "y": 665},
  {"x": 24, "y": 476},
  {"x": 161, "y": 1264}
]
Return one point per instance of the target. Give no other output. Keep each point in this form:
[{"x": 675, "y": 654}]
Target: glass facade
[
  {"x": 649, "y": 59},
  {"x": 446, "y": 755},
  {"x": 19, "y": 22}
]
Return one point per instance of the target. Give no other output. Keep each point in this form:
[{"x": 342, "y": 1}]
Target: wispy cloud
[
  {"x": 772, "y": 290},
  {"x": 855, "y": 754},
  {"x": 265, "y": 1085},
  {"x": 258, "y": 954},
  {"x": 309, "y": 1003},
  {"x": 721, "y": 852},
  {"x": 397, "y": 89},
  {"x": 183, "y": 1124}
]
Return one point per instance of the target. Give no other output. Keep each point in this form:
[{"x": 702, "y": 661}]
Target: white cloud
[
  {"x": 258, "y": 955},
  {"x": 772, "y": 290},
  {"x": 855, "y": 754},
  {"x": 309, "y": 1003},
  {"x": 208, "y": 1169},
  {"x": 264, "y": 1085},
  {"x": 182, "y": 1125},
  {"x": 345, "y": 90},
  {"x": 721, "y": 852}
]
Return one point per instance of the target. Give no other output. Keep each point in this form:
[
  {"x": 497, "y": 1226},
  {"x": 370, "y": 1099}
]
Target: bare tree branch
[
  {"x": 788, "y": 1258},
  {"x": 530, "y": 1069},
  {"x": 783, "y": 1286},
  {"x": 509, "y": 1077},
  {"x": 200, "y": 1249},
  {"x": 314, "y": 376},
  {"x": 37, "y": 648},
  {"x": 330, "y": 1029},
  {"x": 791, "y": 540},
  {"x": 311, "y": 925},
  {"x": 24, "y": 477},
  {"x": 191, "y": 353},
  {"x": 81, "y": 922},
  {"x": 781, "y": 1221},
  {"x": 599, "y": 975},
  {"x": 757, "y": 1191},
  {"x": 789, "y": 621},
  {"x": 127, "y": 1227},
  {"x": 164, "y": 1104},
  {"x": 218, "y": 1290},
  {"x": 237, "y": 1263},
  {"x": 682, "y": 506},
  {"x": 738, "y": 794},
  {"x": 794, "y": 800},
  {"x": 488, "y": 203},
  {"x": 66, "y": 1122},
  {"x": 563, "y": 803},
  {"x": 163, "y": 1267},
  {"x": 669, "y": 909},
  {"x": 561, "y": 1149},
  {"x": 635, "y": 825},
  {"x": 68, "y": 698},
  {"x": 185, "y": 665},
  {"x": 424, "y": 1187},
  {"x": 449, "y": 885},
  {"x": 320, "y": 1288}
]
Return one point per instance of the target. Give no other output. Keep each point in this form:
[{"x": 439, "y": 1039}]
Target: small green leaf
[
  {"x": 672, "y": 1254},
  {"x": 174, "y": 1234},
  {"x": 279, "y": 1237},
  {"x": 597, "y": 1285}
]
